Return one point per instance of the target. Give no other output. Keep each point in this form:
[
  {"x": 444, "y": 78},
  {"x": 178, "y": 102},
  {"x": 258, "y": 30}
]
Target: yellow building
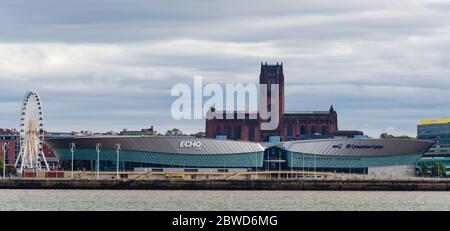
[
  {"x": 437, "y": 130},
  {"x": 434, "y": 121}
]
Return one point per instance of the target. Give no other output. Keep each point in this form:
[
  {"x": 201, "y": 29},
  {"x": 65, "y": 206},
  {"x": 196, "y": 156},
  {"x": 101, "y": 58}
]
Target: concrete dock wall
[{"x": 322, "y": 184}]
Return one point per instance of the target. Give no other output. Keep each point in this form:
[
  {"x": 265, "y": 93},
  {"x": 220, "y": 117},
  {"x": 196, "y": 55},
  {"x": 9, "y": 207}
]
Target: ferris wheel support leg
[
  {"x": 21, "y": 167},
  {"x": 18, "y": 158},
  {"x": 46, "y": 163}
]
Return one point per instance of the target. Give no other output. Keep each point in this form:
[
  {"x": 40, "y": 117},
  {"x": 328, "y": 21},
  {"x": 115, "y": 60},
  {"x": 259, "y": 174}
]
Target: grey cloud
[{"x": 111, "y": 64}]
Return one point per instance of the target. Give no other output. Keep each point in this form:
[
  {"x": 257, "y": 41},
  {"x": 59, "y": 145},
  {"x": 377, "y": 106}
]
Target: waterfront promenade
[{"x": 416, "y": 184}]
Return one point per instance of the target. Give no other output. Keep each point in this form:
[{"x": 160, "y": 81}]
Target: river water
[{"x": 220, "y": 200}]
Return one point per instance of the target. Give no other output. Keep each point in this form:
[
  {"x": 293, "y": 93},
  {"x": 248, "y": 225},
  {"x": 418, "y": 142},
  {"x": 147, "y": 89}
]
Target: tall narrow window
[
  {"x": 290, "y": 129},
  {"x": 303, "y": 130},
  {"x": 229, "y": 132},
  {"x": 251, "y": 134},
  {"x": 238, "y": 132}
]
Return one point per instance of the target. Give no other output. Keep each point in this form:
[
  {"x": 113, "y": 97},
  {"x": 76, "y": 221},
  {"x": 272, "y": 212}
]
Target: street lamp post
[
  {"x": 364, "y": 169},
  {"x": 5, "y": 148},
  {"x": 315, "y": 166},
  {"x": 303, "y": 163},
  {"x": 292, "y": 172},
  {"x": 72, "y": 150},
  {"x": 117, "y": 165},
  {"x": 98, "y": 147},
  {"x": 279, "y": 164},
  {"x": 256, "y": 165},
  {"x": 350, "y": 169}
]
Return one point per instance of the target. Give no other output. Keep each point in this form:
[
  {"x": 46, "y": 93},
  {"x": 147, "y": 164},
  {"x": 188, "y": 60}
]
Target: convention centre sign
[{"x": 358, "y": 146}]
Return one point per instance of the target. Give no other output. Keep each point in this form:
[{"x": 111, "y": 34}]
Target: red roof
[{"x": 8, "y": 131}]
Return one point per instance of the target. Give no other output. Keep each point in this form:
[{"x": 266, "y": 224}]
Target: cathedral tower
[{"x": 273, "y": 74}]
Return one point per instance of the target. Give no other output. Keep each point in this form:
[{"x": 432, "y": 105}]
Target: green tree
[
  {"x": 440, "y": 169},
  {"x": 11, "y": 169},
  {"x": 424, "y": 169},
  {"x": 174, "y": 132},
  {"x": 404, "y": 137},
  {"x": 435, "y": 169},
  {"x": 386, "y": 136},
  {"x": 389, "y": 136}
]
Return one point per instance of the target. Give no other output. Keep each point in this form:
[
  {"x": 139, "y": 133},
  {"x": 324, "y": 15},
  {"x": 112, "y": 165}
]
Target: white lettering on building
[{"x": 190, "y": 144}]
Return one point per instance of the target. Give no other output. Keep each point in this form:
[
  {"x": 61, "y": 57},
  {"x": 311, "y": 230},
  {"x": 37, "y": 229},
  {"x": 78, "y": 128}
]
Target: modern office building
[
  {"x": 438, "y": 131},
  {"x": 292, "y": 125},
  {"x": 154, "y": 153}
]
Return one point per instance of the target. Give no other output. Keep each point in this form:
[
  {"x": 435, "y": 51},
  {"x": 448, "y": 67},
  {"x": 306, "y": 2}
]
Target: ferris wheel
[{"x": 31, "y": 155}]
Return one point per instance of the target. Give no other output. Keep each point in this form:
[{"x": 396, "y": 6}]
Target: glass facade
[
  {"x": 440, "y": 134},
  {"x": 334, "y": 155},
  {"x": 431, "y": 161},
  {"x": 298, "y": 160},
  {"x": 276, "y": 158},
  {"x": 246, "y": 160}
]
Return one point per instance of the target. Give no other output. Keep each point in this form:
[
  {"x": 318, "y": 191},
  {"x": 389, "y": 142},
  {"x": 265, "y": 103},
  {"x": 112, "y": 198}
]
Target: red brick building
[
  {"x": 292, "y": 125},
  {"x": 12, "y": 138}
]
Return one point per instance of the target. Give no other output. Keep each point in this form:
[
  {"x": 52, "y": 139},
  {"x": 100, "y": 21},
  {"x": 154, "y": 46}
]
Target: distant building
[
  {"x": 81, "y": 133},
  {"x": 142, "y": 132},
  {"x": 437, "y": 130},
  {"x": 302, "y": 125},
  {"x": 12, "y": 138},
  {"x": 59, "y": 134}
]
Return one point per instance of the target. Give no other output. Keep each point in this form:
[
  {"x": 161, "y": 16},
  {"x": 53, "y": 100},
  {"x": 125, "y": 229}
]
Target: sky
[{"x": 109, "y": 65}]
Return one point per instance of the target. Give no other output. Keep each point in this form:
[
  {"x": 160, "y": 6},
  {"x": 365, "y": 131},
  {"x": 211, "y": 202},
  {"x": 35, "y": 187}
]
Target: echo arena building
[{"x": 155, "y": 153}]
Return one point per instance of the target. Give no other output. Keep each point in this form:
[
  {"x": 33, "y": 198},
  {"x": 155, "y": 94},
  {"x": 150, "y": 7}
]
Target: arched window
[{"x": 324, "y": 130}]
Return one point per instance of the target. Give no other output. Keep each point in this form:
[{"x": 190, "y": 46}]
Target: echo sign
[{"x": 190, "y": 144}]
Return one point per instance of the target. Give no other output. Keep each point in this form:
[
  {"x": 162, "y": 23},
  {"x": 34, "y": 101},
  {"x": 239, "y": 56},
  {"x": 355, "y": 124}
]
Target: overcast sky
[{"x": 109, "y": 65}]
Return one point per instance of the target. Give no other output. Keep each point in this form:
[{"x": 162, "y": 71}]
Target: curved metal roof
[
  {"x": 159, "y": 144},
  {"x": 358, "y": 147}
]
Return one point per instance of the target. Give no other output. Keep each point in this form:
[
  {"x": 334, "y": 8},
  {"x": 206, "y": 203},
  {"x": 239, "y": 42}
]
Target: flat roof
[
  {"x": 434, "y": 121},
  {"x": 306, "y": 112}
]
